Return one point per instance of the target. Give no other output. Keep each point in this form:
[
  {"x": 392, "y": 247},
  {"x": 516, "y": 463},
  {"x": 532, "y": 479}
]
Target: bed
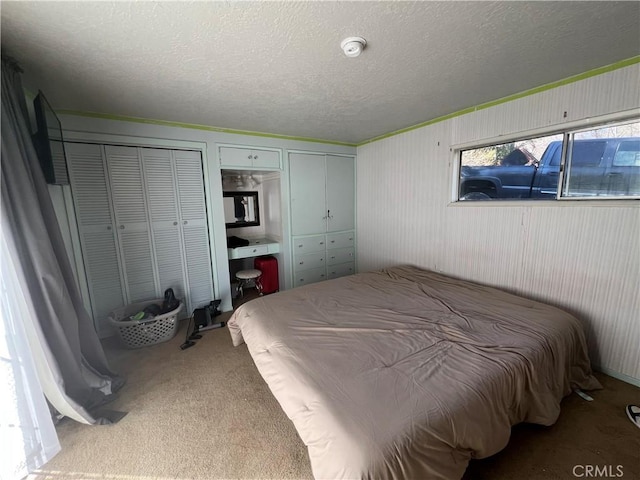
[{"x": 404, "y": 373}]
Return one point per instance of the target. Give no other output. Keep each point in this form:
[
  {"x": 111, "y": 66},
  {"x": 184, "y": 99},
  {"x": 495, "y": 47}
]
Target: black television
[{"x": 49, "y": 143}]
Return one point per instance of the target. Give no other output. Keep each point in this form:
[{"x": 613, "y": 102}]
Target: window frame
[{"x": 566, "y": 130}]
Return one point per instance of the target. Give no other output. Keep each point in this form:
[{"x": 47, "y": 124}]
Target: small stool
[{"x": 244, "y": 276}]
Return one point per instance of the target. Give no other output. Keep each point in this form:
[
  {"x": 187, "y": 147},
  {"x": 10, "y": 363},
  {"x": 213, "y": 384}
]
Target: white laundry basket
[{"x": 141, "y": 333}]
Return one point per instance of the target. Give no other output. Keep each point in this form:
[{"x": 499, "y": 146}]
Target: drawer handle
[
  {"x": 322, "y": 274},
  {"x": 351, "y": 254},
  {"x": 350, "y": 238},
  {"x": 300, "y": 246},
  {"x": 250, "y": 157},
  {"x": 332, "y": 258},
  {"x": 121, "y": 227},
  {"x": 321, "y": 243},
  {"x": 302, "y": 279},
  {"x": 109, "y": 228},
  {"x": 333, "y": 241},
  {"x": 255, "y": 157},
  {"x": 255, "y": 250},
  {"x": 301, "y": 263}
]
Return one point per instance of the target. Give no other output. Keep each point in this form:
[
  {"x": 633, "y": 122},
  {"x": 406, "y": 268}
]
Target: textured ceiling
[{"x": 277, "y": 67}]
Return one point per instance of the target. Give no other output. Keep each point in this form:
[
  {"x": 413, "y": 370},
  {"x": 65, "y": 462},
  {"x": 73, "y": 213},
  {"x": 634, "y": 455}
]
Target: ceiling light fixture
[{"x": 353, "y": 46}]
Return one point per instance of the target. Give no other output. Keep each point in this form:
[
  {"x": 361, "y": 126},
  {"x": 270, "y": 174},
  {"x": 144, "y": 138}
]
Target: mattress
[{"x": 404, "y": 373}]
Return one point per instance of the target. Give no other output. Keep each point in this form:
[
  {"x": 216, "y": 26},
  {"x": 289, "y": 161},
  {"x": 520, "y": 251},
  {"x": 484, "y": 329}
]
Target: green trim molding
[
  {"x": 196, "y": 126},
  {"x": 549, "y": 86},
  {"x": 543, "y": 88}
]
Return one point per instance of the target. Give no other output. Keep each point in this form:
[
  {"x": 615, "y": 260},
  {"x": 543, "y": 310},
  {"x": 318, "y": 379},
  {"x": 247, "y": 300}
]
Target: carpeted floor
[{"x": 205, "y": 413}]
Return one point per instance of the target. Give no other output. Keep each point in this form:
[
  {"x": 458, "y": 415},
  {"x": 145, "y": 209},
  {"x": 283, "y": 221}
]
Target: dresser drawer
[
  {"x": 251, "y": 251},
  {"x": 309, "y": 276},
  {"x": 340, "y": 240},
  {"x": 341, "y": 270},
  {"x": 309, "y": 260},
  {"x": 340, "y": 255},
  {"x": 308, "y": 244}
]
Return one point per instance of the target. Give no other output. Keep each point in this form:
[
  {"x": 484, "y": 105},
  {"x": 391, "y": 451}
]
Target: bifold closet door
[
  {"x": 142, "y": 219},
  {"x": 96, "y": 228},
  {"x": 132, "y": 225},
  {"x": 162, "y": 197},
  {"x": 194, "y": 229}
]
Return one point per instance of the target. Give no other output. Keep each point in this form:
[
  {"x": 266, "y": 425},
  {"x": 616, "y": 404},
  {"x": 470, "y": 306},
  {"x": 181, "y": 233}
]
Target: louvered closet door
[
  {"x": 130, "y": 208},
  {"x": 95, "y": 224},
  {"x": 193, "y": 222},
  {"x": 162, "y": 197}
]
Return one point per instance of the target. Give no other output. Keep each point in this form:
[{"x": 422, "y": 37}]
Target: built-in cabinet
[
  {"x": 252, "y": 158},
  {"x": 322, "y": 202},
  {"x": 142, "y": 223}
]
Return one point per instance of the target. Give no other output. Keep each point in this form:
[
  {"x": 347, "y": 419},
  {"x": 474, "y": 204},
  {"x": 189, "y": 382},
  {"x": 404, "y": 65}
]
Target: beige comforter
[{"x": 407, "y": 374}]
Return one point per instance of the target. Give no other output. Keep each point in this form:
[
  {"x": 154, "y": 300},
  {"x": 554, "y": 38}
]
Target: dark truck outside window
[{"x": 601, "y": 162}]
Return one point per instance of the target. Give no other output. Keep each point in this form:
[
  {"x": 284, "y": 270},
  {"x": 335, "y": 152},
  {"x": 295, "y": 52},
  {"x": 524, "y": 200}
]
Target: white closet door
[
  {"x": 163, "y": 213},
  {"x": 129, "y": 203},
  {"x": 340, "y": 193},
  {"x": 193, "y": 222},
  {"x": 95, "y": 224},
  {"x": 307, "y": 190}
]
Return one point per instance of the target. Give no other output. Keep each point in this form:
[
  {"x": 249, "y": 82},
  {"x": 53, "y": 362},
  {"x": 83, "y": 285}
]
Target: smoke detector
[{"x": 353, "y": 46}]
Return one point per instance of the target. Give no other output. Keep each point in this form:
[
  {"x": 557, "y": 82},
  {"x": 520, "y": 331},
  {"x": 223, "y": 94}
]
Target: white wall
[
  {"x": 581, "y": 256},
  {"x": 271, "y": 206},
  {"x": 79, "y": 128}
]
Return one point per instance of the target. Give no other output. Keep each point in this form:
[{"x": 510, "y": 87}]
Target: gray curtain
[{"x": 71, "y": 346}]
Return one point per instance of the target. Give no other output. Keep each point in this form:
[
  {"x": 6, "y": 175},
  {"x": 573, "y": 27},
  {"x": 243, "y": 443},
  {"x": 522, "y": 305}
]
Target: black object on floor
[
  {"x": 202, "y": 320},
  {"x": 105, "y": 416}
]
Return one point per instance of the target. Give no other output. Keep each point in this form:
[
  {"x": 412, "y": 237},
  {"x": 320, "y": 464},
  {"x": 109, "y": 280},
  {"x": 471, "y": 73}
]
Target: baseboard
[{"x": 618, "y": 375}]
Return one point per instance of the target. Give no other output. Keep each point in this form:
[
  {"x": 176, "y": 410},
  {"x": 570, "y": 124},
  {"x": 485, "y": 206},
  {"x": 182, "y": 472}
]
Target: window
[{"x": 601, "y": 162}]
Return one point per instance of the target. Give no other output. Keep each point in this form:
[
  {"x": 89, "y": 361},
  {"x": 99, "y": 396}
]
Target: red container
[{"x": 268, "y": 281}]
